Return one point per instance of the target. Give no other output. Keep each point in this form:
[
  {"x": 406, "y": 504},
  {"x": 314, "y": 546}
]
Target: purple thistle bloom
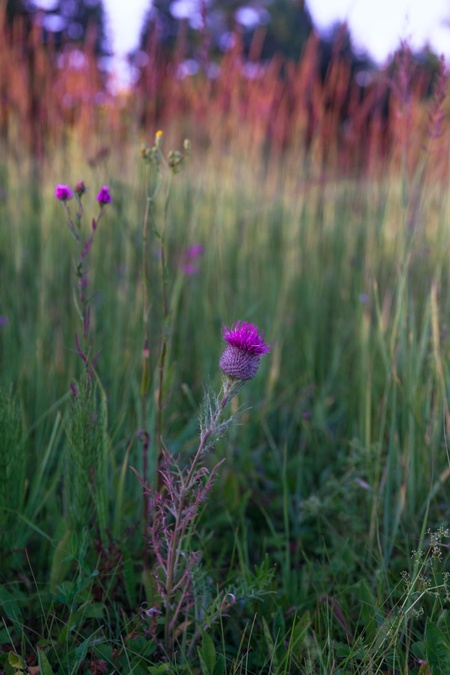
[
  {"x": 245, "y": 336},
  {"x": 246, "y": 346},
  {"x": 104, "y": 196},
  {"x": 63, "y": 193}
]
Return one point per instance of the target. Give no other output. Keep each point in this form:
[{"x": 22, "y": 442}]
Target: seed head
[
  {"x": 175, "y": 160},
  {"x": 80, "y": 188},
  {"x": 241, "y": 357}
]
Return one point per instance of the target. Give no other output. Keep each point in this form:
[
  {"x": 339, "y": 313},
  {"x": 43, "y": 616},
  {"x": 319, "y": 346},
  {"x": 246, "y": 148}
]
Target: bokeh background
[{"x": 314, "y": 203}]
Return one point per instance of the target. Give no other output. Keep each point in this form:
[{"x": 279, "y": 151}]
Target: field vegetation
[{"x": 310, "y": 534}]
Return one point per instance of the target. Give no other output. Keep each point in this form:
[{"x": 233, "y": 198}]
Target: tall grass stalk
[{"x": 156, "y": 163}]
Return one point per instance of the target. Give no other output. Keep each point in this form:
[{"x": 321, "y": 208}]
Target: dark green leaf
[
  {"x": 437, "y": 649},
  {"x": 44, "y": 664},
  {"x": 207, "y": 654}
]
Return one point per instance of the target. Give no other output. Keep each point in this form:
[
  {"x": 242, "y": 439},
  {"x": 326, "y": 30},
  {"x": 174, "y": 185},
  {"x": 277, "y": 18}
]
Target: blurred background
[
  {"x": 146, "y": 50},
  {"x": 314, "y": 203}
]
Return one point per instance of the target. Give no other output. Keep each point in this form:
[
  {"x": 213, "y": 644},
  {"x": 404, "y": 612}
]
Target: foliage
[
  {"x": 285, "y": 27},
  {"x": 77, "y": 23}
]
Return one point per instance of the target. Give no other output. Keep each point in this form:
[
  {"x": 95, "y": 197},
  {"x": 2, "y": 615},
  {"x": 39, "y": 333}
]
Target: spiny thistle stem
[
  {"x": 228, "y": 388},
  {"x": 181, "y": 523},
  {"x": 239, "y": 363}
]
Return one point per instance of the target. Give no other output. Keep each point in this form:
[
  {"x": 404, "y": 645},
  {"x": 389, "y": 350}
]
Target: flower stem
[
  {"x": 145, "y": 380},
  {"x": 165, "y": 317},
  {"x": 181, "y": 524}
]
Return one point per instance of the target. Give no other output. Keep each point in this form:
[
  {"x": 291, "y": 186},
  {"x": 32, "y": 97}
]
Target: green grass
[{"x": 339, "y": 465}]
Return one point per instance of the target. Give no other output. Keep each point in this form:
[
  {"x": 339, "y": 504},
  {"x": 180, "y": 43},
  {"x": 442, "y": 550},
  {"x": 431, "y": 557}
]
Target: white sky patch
[
  {"x": 378, "y": 26},
  {"x": 125, "y": 19}
]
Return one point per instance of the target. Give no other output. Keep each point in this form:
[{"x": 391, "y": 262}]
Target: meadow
[{"x": 314, "y": 537}]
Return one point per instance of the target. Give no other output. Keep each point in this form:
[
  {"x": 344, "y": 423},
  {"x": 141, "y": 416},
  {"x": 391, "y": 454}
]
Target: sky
[
  {"x": 125, "y": 19},
  {"x": 377, "y": 26}
]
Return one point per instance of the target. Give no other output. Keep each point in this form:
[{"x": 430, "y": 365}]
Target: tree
[
  {"x": 64, "y": 21},
  {"x": 284, "y": 24}
]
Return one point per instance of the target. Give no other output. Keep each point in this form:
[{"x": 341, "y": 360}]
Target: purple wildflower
[
  {"x": 63, "y": 193},
  {"x": 189, "y": 269},
  {"x": 3, "y": 320},
  {"x": 193, "y": 252},
  {"x": 104, "y": 196},
  {"x": 240, "y": 359},
  {"x": 189, "y": 258}
]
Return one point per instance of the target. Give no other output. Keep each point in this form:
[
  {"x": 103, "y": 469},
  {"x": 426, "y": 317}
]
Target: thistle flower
[
  {"x": 104, "y": 196},
  {"x": 63, "y": 193},
  {"x": 241, "y": 357}
]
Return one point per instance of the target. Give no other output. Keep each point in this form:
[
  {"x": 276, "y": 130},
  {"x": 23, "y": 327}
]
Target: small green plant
[{"x": 425, "y": 601}]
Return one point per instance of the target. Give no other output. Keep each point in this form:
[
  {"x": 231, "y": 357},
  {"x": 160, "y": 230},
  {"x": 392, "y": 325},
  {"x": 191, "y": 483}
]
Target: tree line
[{"x": 202, "y": 30}]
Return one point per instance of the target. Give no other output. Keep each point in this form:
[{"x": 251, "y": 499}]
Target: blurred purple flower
[
  {"x": 3, "y": 320},
  {"x": 189, "y": 269},
  {"x": 195, "y": 251},
  {"x": 188, "y": 258},
  {"x": 104, "y": 196},
  {"x": 240, "y": 359},
  {"x": 63, "y": 193}
]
